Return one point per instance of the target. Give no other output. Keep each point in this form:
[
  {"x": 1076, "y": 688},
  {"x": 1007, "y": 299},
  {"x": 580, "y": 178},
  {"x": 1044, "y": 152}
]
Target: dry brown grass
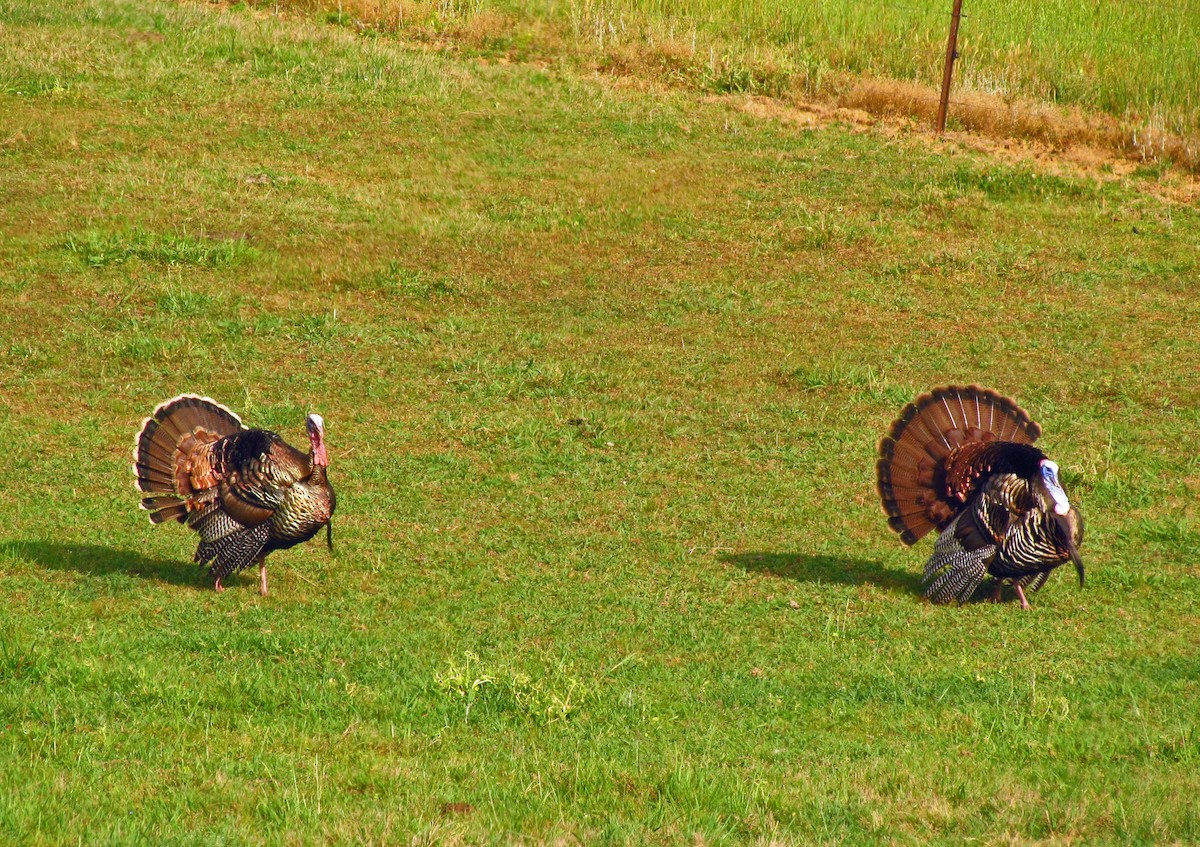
[{"x": 1065, "y": 128}]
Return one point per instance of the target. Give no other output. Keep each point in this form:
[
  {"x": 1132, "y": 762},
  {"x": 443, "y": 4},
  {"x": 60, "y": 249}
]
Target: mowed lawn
[{"x": 603, "y": 368}]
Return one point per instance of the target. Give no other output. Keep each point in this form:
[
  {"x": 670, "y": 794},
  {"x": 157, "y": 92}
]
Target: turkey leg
[{"x": 262, "y": 573}]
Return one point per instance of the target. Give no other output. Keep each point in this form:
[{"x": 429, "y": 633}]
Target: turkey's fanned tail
[
  {"x": 164, "y": 444},
  {"x": 911, "y": 473}
]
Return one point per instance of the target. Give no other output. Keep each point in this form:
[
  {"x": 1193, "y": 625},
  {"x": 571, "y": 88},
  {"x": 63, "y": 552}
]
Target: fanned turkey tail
[
  {"x": 165, "y": 446},
  {"x": 912, "y": 473}
]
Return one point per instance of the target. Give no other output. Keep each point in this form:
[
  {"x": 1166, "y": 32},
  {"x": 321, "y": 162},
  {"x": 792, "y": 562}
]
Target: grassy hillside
[
  {"x": 1129, "y": 60},
  {"x": 603, "y": 371}
]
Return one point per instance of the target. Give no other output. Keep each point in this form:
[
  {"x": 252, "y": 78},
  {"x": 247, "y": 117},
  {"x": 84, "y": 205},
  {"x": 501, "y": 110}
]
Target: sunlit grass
[
  {"x": 104, "y": 248},
  {"x": 603, "y": 370},
  {"x": 1128, "y": 59}
]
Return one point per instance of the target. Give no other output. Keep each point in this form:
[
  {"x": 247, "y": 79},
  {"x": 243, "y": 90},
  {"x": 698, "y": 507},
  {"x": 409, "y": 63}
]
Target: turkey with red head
[
  {"x": 245, "y": 491},
  {"x": 961, "y": 460}
]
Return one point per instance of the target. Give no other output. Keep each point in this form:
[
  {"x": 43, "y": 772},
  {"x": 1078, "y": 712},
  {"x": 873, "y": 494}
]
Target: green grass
[
  {"x": 603, "y": 370},
  {"x": 1061, "y": 51},
  {"x": 99, "y": 249},
  {"x": 1127, "y": 58}
]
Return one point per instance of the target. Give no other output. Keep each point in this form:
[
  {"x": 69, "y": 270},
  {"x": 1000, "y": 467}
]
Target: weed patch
[
  {"x": 101, "y": 248},
  {"x": 487, "y": 687}
]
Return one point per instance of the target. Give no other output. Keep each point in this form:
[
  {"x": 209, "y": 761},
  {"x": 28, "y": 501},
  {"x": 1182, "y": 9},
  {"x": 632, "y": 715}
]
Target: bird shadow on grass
[
  {"x": 845, "y": 570},
  {"x": 96, "y": 560}
]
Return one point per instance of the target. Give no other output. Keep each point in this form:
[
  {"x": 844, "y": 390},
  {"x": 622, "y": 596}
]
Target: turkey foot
[
  {"x": 1021, "y": 594},
  {"x": 218, "y": 585}
]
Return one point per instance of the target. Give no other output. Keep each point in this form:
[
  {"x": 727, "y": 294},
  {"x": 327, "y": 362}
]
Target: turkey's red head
[{"x": 316, "y": 435}]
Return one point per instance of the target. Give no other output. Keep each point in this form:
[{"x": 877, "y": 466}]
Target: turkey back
[
  {"x": 919, "y": 488},
  {"x": 170, "y": 455}
]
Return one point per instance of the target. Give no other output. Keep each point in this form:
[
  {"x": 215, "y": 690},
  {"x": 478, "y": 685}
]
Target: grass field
[
  {"x": 603, "y": 370},
  {"x": 1025, "y": 69}
]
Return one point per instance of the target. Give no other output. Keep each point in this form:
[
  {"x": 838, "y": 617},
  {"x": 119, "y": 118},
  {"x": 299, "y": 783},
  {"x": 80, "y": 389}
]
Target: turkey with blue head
[
  {"x": 246, "y": 492},
  {"x": 961, "y": 460}
]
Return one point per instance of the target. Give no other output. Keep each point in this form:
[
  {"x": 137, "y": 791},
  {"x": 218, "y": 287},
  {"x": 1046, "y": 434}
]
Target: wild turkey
[
  {"x": 245, "y": 491},
  {"x": 961, "y": 460}
]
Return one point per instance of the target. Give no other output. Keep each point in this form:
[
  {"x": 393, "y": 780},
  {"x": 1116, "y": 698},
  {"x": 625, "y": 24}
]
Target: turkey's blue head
[
  {"x": 1054, "y": 488},
  {"x": 316, "y": 435},
  {"x": 1067, "y": 518}
]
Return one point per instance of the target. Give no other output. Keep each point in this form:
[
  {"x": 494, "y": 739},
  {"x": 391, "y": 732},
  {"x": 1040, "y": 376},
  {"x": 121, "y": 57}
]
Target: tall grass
[
  {"x": 1130, "y": 60},
  {"x": 1126, "y": 57}
]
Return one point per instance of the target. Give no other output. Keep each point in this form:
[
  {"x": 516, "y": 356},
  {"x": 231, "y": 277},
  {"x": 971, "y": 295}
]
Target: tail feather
[
  {"x": 151, "y": 480},
  {"x": 177, "y": 512},
  {"x": 910, "y": 530},
  {"x": 911, "y": 472},
  {"x": 163, "y": 443},
  {"x": 188, "y": 412},
  {"x": 156, "y": 442}
]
